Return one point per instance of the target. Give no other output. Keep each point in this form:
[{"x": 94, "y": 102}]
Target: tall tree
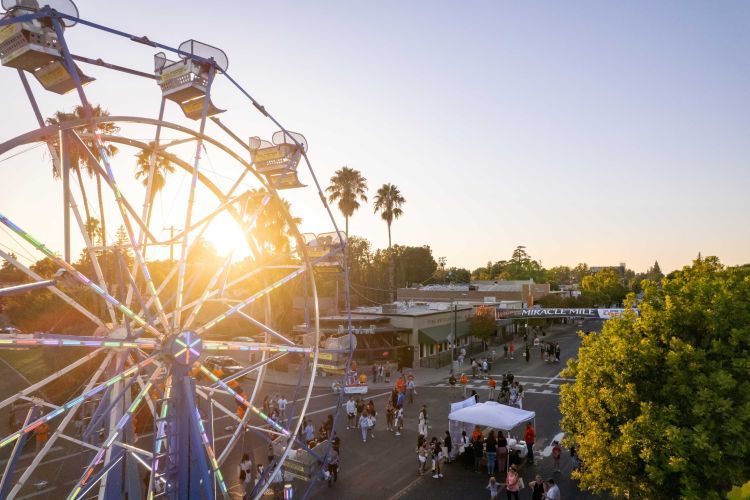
[
  {"x": 388, "y": 201},
  {"x": 348, "y": 187},
  {"x": 78, "y": 155},
  {"x": 162, "y": 167},
  {"x": 660, "y": 403}
]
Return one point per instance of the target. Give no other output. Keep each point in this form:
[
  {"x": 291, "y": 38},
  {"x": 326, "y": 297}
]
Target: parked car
[
  {"x": 10, "y": 330},
  {"x": 244, "y": 339},
  {"x": 228, "y": 365}
]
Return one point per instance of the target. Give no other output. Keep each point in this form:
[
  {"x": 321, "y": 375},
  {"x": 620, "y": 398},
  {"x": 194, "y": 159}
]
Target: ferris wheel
[{"x": 137, "y": 400}]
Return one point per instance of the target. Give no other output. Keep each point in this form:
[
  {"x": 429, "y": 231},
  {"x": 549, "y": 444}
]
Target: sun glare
[{"x": 226, "y": 236}]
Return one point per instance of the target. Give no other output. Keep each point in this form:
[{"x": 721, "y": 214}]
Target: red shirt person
[{"x": 528, "y": 437}]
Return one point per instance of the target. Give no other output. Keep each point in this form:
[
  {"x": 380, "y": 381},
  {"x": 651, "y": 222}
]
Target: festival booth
[{"x": 466, "y": 414}]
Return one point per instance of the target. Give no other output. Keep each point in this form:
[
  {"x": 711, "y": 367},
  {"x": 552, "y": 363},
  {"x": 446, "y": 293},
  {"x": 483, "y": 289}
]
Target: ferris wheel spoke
[
  {"x": 224, "y": 268},
  {"x": 60, "y": 429},
  {"x": 124, "y": 207},
  {"x": 243, "y": 401},
  {"x": 65, "y": 297},
  {"x": 210, "y": 453},
  {"x": 83, "y": 481},
  {"x": 160, "y": 436},
  {"x": 264, "y": 327},
  {"x": 233, "y": 283},
  {"x": 75, "y": 401},
  {"x": 79, "y": 276},
  {"x": 82, "y": 226},
  {"x": 233, "y": 310}
]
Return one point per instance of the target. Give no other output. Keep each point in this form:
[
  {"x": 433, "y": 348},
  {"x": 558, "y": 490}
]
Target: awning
[{"x": 439, "y": 334}]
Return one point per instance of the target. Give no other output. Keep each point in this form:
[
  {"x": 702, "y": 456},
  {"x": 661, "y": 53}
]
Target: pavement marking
[
  {"x": 31, "y": 454},
  {"x": 547, "y": 451},
  {"x": 554, "y": 378}
]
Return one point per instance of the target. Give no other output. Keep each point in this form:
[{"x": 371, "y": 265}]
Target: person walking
[
  {"x": 505, "y": 350},
  {"x": 477, "y": 446},
  {"x": 389, "y": 414},
  {"x": 371, "y": 417},
  {"x": 512, "y": 483},
  {"x": 493, "y": 486},
  {"x": 411, "y": 390},
  {"x": 364, "y": 424},
  {"x": 553, "y": 491},
  {"x": 351, "y": 411},
  {"x": 421, "y": 455},
  {"x": 245, "y": 473},
  {"x": 464, "y": 380},
  {"x": 333, "y": 467},
  {"x": 423, "y": 415},
  {"x": 381, "y": 372},
  {"x": 282, "y": 402},
  {"x": 41, "y": 435},
  {"x": 490, "y": 446},
  {"x": 452, "y": 382},
  {"x": 399, "y": 418},
  {"x": 537, "y": 488},
  {"x": 556, "y": 454},
  {"x": 309, "y": 431},
  {"x": 528, "y": 437},
  {"x": 512, "y": 349},
  {"x": 557, "y": 351},
  {"x": 492, "y": 384},
  {"x": 422, "y": 424},
  {"x": 437, "y": 453},
  {"x": 527, "y": 354},
  {"x": 448, "y": 447},
  {"x": 360, "y": 405}
]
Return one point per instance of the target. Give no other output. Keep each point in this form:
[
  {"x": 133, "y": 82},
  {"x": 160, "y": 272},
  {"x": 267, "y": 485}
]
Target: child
[
  {"x": 493, "y": 487},
  {"x": 556, "y": 452}
]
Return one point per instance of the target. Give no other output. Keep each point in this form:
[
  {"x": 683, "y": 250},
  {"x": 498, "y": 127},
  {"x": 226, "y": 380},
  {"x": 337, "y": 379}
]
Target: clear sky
[{"x": 598, "y": 132}]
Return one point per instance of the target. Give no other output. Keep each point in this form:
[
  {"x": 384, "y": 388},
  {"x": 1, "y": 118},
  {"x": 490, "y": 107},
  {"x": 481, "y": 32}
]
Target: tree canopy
[{"x": 661, "y": 402}]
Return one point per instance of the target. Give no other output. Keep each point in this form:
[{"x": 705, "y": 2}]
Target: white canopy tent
[
  {"x": 492, "y": 414},
  {"x": 465, "y": 415}
]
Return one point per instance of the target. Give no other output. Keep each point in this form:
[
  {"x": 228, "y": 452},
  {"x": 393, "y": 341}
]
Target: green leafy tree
[
  {"x": 661, "y": 403},
  {"x": 458, "y": 275},
  {"x": 482, "y": 325},
  {"x": 603, "y": 288},
  {"x": 348, "y": 187},
  {"x": 414, "y": 264}
]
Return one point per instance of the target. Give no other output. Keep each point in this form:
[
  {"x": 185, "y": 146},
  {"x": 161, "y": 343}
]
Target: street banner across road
[{"x": 560, "y": 312}]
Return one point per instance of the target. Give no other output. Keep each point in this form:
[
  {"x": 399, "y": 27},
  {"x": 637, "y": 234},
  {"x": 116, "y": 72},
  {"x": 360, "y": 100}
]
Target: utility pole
[{"x": 171, "y": 241}]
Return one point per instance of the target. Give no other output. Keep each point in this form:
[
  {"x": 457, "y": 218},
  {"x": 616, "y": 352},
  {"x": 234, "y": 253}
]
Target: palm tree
[
  {"x": 79, "y": 156},
  {"x": 162, "y": 167},
  {"x": 347, "y": 187},
  {"x": 272, "y": 230},
  {"x": 388, "y": 202}
]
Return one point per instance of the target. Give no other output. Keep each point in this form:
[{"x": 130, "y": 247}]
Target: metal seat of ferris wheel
[
  {"x": 278, "y": 160},
  {"x": 185, "y": 81},
  {"x": 33, "y": 46},
  {"x": 326, "y": 250}
]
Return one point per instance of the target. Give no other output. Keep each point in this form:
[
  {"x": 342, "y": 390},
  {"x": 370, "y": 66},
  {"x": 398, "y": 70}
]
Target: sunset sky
[{"x": 598, "y": 132}]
